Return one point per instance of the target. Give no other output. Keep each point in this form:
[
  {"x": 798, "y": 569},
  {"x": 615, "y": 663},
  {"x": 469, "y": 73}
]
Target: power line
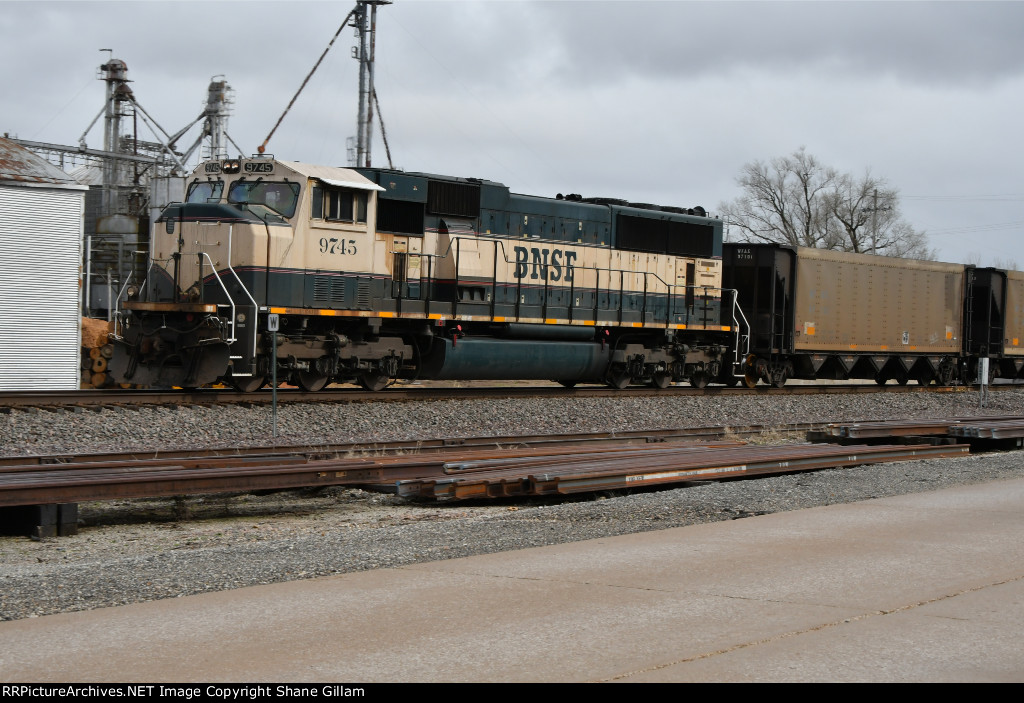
[
  {"x": 992, "y": 227},
  {"x": 965, "y": 198}
]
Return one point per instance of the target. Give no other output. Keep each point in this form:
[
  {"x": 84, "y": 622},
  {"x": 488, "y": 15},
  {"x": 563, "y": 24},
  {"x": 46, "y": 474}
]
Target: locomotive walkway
[{"x": 921, "y": 587}]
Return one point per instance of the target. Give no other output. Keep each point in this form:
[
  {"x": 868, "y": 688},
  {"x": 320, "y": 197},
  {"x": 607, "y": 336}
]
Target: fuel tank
[{"x": 471, "y": 358}]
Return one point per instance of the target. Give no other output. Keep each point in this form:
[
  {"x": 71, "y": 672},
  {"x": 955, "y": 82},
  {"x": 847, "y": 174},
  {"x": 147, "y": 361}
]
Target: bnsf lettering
[{"x": 545, "y": 264}]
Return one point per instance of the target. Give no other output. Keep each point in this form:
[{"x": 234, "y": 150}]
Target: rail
[
  {"x": 454, "y": 473},
  {"x": 427, "y": 391}
]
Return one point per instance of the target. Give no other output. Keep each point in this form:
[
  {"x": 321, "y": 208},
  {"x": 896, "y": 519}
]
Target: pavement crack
[
  {"x": 419, "y": 567},
  {"x": 816, "y": 628}
]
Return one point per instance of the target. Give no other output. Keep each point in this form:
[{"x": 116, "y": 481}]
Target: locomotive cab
[{"x": 252, "y": 234}]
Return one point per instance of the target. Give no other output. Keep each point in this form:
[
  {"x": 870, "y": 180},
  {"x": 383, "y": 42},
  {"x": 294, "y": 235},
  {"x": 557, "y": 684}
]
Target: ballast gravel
[{"x": 140, "y": 550}]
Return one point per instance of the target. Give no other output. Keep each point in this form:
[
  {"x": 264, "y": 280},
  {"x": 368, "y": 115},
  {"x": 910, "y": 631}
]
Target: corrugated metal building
[{"x": 41, "y": 215}]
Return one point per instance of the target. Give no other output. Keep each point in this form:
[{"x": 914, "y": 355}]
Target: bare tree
[
  {"x": 798, "y": 201},
  {"x": 908, "y": 243},
  {"x": 782, "y": 201},
  {"x": 868, "y": 210}
]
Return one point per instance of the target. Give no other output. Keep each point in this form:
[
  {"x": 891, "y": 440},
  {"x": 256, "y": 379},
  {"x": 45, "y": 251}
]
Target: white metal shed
[{"x": 41, "y": 211}]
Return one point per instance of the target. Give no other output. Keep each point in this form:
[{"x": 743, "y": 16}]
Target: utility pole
[
  {"x": 365, "y": 23},
  {"x": 874, "y": 219}
]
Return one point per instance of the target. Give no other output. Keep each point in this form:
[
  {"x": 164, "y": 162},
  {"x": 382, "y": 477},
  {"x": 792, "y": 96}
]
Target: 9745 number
[{"x": 334, "y": 245}]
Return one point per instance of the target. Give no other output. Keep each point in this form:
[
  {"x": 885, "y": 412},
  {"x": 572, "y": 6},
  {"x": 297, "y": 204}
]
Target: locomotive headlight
[{"x": 240, "y": 317}]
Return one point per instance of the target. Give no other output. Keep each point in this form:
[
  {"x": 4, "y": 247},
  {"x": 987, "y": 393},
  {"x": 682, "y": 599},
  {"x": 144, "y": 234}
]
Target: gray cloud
[
  {"x": 915, "y": 41},
  {"x": 656, "y": 102}
]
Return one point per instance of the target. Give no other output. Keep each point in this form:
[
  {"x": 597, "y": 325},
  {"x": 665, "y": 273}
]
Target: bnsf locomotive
[{"x": 376, "y": 275}]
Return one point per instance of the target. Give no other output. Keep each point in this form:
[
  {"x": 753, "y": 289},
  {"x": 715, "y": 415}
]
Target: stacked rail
[
  {"x": 994, "y": 428},
  {"x": 455, "y": 474},
  {"x": 566, "y": 474}
]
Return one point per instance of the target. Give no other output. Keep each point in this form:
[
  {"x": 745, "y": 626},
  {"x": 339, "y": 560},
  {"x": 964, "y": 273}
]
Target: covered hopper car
[
  {"x": 377, "y": 275},
  {"x": 820, "y": 314}
]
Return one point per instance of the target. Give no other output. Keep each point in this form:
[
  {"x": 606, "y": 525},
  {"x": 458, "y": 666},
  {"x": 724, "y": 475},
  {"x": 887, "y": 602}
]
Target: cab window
[
  {"x": 205, "y": 191},
  {"x": 281, "y": 198},
  {"x": 339, "y": 204}
]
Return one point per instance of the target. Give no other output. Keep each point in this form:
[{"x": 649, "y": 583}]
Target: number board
[{"x": 259, "y": 167}]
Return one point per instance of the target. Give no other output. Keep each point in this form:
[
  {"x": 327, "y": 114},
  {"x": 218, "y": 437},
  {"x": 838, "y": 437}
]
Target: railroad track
[{"x": 218, "y": 396}]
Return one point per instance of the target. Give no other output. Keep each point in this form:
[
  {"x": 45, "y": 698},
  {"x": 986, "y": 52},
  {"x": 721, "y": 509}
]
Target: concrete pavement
[{"x": 923, "y": 587}]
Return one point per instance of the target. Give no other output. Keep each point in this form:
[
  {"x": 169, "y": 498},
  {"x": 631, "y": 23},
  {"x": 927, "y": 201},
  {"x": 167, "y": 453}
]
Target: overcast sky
[{"x": 659, "y": 102}]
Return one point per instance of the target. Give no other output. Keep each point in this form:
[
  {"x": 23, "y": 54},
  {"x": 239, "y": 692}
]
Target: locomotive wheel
[
  {"x": 750, "y": 380},
  {"x": 619, "y": 379},
  {"x": 661, "y": 380},
  {"x": 567, "y": 384},
  {"x": 731, "y": 381},
  {"x": 247, "y": 384},
  {"x": 373, "y": 380},
  {"x": 310, "y": 381},
  {"x": 699, "y": 379}
]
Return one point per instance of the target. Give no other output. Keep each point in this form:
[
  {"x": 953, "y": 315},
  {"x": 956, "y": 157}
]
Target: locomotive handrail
[
  {"x": 648, "y": 276},
  {"x": 224, "y": 288},
  {"x": 505, "y": 257},
  {"x": 143, "y": 292},
  {"x": 620, "y": 271},
  {"x": 737, "y": 309},
  {"x": 116, "y": 317},
  {"x": 121, "y": 292},
  {"x": 241, "y": 285}
]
